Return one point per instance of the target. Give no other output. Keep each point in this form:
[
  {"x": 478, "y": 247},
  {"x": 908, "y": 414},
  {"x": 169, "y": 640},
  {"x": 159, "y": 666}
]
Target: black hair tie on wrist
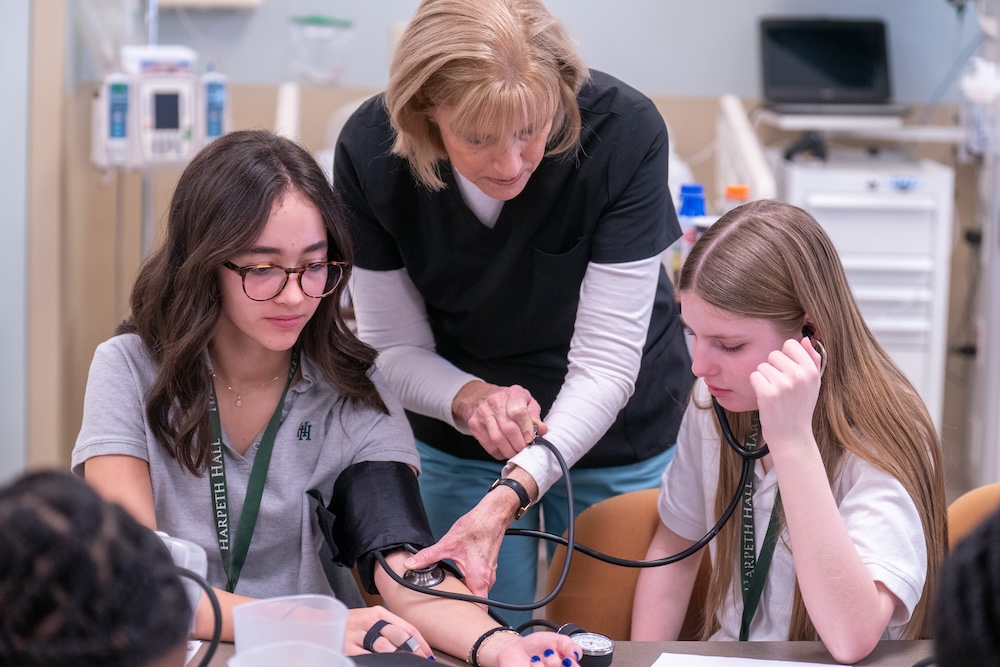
[{"x": 473, "y": 658}]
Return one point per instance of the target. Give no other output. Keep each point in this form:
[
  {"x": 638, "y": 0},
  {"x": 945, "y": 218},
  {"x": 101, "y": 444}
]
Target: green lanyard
[
  {"x": 753, "y": 570},
  {"x": 234, "y": 557}
]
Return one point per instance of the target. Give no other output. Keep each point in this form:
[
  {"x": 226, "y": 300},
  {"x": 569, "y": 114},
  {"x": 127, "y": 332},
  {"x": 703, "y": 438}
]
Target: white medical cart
[{"x": 891, "y": 220}]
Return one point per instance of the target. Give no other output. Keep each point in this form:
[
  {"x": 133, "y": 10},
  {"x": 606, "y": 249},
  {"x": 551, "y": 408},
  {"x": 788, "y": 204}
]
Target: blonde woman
[
  {"x": 850, "y": 499},
  {"x": 510, "y": 207}
]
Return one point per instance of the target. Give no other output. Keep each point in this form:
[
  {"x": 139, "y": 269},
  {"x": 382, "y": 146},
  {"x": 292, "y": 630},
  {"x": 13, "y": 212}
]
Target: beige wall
[{"x": 46, "y": 344}]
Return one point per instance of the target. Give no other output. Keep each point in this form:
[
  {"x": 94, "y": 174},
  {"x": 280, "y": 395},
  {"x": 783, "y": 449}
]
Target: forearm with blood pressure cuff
[{"x": 375, "y": 508}]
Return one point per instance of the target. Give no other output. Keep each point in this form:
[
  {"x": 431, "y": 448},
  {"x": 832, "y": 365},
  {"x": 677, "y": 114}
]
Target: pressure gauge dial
[{"x": 596, "y": 650}]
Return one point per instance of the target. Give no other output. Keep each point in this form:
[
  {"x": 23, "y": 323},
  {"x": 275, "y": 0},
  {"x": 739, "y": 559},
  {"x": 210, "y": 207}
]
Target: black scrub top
[{"x": 502, "y": 302}]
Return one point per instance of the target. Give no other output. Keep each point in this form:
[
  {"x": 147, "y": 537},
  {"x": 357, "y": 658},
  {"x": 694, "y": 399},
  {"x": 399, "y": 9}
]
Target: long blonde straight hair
[{"x": 773, "y": 261}]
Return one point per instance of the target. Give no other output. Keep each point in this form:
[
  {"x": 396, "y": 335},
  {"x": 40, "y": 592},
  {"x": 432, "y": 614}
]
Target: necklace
[{"x": 239, "y": 394}]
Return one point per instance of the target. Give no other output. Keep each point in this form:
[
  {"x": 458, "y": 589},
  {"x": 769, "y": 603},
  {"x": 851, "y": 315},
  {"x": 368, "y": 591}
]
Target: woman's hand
[
  {"x": 473, "y": 542},
  {"x": 502, "y": 419},
  {"x": 787, "y": 387},
  {"x": 390, "y": 637}
]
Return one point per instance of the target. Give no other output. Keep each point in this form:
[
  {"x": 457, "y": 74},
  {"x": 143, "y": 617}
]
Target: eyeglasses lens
[
  {"x": 316, "y": 280},
  {"x": 319, "y": 279}
]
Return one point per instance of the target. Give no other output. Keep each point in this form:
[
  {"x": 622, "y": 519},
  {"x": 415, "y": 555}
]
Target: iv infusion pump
[{"x": 156, "y": 112}]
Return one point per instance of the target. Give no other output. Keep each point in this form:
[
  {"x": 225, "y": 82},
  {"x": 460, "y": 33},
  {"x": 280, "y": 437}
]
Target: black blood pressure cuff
[{"x": 376, "y": 507}]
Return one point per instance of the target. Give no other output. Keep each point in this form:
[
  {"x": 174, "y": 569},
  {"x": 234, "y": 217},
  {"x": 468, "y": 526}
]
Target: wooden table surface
[{"x": 644, "y": 654}]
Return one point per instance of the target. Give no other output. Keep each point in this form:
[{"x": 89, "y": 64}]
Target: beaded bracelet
[{"x": 473, "y": 658}]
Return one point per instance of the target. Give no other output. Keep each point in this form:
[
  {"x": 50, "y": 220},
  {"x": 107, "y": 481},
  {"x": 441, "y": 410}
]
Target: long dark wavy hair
[{"x": 220, "y": 207}]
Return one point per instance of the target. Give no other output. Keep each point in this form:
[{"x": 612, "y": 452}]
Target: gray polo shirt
[{"x": 320, "y": 435}]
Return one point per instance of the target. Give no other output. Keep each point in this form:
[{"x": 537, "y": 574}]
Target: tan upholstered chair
[
  {"x": 597, "y": 595},
  {"x": 969, "y": 509}
]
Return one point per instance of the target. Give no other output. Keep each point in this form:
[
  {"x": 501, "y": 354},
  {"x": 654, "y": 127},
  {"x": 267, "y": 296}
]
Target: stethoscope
[{"x": 422, "y": 580}]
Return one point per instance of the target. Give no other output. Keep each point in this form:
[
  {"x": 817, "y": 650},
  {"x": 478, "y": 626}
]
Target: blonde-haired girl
[{"x": 853, "y": 478}]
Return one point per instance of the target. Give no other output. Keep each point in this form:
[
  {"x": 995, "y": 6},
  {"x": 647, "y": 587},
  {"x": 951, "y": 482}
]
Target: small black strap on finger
[{"x": 373, "y": 633}]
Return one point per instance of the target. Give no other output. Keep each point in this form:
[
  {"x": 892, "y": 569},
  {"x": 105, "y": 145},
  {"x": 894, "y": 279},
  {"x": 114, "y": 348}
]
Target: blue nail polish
[
  {"x": 567, "y": 662},
  {"x": 576, "y": 655},
  {"x": 431, "y": 657},
  {"x": 535, "y": 658},
  {"x": 549, "y": 653}
]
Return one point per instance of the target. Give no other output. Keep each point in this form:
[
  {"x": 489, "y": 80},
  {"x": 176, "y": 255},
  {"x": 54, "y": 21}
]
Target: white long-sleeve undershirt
[{"x": 616, "y": 303}]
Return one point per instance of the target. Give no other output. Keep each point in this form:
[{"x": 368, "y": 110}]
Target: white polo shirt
[{"x": 880, "y": 516}]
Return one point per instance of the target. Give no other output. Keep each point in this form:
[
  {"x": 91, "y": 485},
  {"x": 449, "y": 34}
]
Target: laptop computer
[{"x": 825, "y": 66}]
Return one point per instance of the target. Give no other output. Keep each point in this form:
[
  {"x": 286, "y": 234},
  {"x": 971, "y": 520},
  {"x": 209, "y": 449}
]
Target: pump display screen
[{"x": 166, "y": 110}]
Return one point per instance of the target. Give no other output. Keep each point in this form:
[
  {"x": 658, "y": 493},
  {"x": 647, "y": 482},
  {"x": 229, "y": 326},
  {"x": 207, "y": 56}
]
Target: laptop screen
[{"x": 826, "y": 61}]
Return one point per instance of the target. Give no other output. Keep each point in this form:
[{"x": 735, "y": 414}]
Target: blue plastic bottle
[{"x": 692, "y": 219}]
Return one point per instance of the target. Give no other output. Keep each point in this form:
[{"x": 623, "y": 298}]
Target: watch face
[{"x": 593, "y": 643}]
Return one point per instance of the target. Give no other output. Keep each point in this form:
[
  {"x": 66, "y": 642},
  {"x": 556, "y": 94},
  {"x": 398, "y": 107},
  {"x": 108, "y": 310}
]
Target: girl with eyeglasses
[{"x": 236, "y": 397}]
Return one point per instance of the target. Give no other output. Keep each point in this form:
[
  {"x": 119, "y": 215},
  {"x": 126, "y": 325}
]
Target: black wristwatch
[{"x": 522, "y": 494}]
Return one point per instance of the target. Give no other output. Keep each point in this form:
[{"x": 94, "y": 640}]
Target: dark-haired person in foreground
[
  {"x": 82, "y": 584},
  {"x": 967, "y": 612}
]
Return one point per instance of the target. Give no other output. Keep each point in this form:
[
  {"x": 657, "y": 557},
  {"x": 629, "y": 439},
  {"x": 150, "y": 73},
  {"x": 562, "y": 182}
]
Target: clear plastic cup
[
  {"x": 290, "y": 654},
  {"x": 189, "y": 556},
  {"x": 318, "y": 48},
  {"x": 313, "y": 619}
]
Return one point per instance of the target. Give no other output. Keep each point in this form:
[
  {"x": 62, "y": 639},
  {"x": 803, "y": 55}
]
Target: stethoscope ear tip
[{"x": 818, "y": 346}]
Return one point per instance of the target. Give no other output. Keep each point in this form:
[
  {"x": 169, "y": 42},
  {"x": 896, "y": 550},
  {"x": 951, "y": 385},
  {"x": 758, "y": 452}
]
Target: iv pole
[
  {"x": 148, "y": 220},
  {"x": 986, "y": 423}
]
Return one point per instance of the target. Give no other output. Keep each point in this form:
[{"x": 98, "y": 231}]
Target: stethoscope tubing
[
  {"x": 748, "y": 455},
  {"x": 727, "y": 433}
]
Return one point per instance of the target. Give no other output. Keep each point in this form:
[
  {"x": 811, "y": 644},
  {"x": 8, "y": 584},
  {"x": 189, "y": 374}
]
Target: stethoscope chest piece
[{"x": 428, "y": 577}]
